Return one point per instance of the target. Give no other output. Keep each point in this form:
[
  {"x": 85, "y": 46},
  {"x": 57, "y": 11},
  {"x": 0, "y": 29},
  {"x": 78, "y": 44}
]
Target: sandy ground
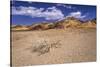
[{"x": 76, "y": 45}]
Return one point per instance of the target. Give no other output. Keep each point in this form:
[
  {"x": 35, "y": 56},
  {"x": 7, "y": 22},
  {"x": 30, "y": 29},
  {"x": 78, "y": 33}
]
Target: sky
[{"x": 27, "y": 12}]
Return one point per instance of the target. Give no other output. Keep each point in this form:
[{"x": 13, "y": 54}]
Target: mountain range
[{"x": 70, "y": 22}]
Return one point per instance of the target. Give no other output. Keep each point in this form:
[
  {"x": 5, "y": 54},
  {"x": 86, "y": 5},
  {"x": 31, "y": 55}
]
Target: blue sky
[{"x": 26, "y": 12}]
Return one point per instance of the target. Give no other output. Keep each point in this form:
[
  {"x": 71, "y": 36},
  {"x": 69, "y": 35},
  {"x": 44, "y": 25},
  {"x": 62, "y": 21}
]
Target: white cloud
[
  {"x": 51, "y": 13},
  {"x": 77, "y": 14},
  {"x": 66, "y": 6}
]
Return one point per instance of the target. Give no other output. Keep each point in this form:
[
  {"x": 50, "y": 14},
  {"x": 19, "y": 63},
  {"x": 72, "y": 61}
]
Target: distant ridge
[{"x": 70, "y": 22}]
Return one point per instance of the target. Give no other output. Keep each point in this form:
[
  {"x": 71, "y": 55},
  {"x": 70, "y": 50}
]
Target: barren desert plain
[{"x": 53, "y": 46}]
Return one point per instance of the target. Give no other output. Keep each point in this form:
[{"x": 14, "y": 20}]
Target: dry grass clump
[{"x": 44, "y": 47}]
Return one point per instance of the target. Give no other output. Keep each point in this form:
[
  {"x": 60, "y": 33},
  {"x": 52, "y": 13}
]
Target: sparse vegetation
[{"x": 44, "y": 47}]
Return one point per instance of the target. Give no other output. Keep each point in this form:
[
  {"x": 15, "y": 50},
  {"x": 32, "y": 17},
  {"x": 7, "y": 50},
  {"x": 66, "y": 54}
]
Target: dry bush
[{"x": 44, "y": 47}]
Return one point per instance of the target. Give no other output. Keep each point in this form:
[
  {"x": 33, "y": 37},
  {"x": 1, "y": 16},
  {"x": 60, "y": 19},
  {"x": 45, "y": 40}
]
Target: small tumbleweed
[{"x": 45, "y": 46}]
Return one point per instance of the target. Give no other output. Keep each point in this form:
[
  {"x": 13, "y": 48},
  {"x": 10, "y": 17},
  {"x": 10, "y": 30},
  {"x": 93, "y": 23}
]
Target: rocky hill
[{"x": 69, "y": 22}]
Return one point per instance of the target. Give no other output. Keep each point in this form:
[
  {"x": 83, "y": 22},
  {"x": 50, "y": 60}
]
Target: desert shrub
[
  {"x": 44, "y": 47},
  {"x": 55, "y": 44},
  {"x": 41, "y": 49}
]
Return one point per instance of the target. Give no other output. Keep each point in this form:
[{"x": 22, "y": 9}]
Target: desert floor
[{"x": 75, "y": 45}]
